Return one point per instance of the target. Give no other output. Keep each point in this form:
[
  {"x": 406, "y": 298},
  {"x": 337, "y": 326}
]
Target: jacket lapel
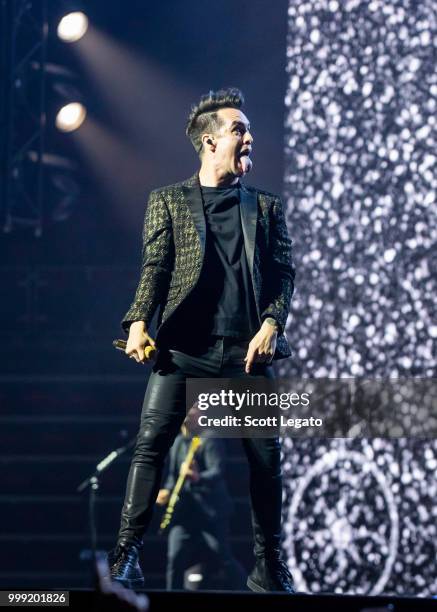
[
  {"x": 193, "y": 198},
  {"x": 248, "y": 213}
]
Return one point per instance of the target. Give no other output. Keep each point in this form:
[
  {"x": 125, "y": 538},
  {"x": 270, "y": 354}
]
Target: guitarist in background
[{"x": 199, "y": 529}]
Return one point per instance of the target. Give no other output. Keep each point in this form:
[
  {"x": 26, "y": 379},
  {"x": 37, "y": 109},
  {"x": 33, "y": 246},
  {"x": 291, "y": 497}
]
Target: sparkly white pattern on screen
[
  {"x": 361, "y": 183},
  {"x": 360, "y": 516}
]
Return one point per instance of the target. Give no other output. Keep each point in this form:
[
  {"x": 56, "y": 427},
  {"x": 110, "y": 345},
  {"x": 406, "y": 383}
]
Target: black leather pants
[{"x": 163, "y": 412}]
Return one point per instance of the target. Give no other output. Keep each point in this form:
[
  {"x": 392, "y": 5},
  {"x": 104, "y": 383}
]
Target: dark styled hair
[{"x": 203, "y": 116}]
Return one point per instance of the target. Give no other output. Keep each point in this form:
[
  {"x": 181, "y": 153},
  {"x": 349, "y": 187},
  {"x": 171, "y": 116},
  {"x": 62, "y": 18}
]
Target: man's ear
[{"x": 207, "y": 139}]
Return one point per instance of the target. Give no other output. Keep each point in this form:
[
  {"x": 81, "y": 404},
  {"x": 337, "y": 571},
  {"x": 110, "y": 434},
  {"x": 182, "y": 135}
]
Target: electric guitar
[{"x": 175, "y": 494}]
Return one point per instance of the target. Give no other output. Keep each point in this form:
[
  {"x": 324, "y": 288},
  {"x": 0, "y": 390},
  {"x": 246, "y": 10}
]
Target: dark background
[{"x": 181, "y": 50}]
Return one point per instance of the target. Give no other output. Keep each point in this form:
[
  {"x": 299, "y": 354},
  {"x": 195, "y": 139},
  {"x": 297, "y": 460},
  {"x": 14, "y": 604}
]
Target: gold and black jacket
[{"x": 174, "y": 237}]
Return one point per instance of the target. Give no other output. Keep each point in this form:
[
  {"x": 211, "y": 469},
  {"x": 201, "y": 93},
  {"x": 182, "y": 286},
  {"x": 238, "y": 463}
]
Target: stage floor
[{"x": 204, "y": 601}]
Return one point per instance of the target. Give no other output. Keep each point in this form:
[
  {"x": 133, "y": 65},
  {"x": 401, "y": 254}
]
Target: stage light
[
  {"x": 70, "y": 117},
  {"x": 66, "y": 100},
  {"x": 72, "y": 26},
  {"x": 195, "y": 578}
]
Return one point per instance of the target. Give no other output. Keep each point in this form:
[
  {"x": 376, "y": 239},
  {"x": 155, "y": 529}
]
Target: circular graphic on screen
[{"x": 343, "y": 526}]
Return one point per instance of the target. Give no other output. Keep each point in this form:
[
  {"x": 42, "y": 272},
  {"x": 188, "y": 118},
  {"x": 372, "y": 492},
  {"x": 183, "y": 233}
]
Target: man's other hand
[
  {"x": 262, "y": 346},
  {"x": 138, "y": 340}
]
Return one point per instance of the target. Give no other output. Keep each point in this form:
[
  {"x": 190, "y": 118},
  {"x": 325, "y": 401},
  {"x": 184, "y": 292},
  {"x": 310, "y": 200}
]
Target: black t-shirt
[{"x": 222, "y": 302}]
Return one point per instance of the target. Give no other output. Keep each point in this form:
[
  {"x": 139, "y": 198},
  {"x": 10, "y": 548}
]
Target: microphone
[{"x": 121, "y": 346}]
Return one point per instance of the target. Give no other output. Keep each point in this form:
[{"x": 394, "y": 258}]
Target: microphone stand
[{"x": 93, "y": 483}]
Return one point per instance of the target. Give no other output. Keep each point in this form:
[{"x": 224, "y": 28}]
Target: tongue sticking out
[{"x": 245, "y": 163}]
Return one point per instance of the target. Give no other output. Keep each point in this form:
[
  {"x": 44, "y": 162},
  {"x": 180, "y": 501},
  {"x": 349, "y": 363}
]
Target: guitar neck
[{"x": 194, "y": 445}]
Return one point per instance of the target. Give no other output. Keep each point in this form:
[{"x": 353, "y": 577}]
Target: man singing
[{"x": 217, "y": 262}]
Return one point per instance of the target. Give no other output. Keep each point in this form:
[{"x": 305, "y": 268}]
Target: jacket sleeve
[
  {"x": 281, "y": 268},
  {"x": 157, "y": 262}
]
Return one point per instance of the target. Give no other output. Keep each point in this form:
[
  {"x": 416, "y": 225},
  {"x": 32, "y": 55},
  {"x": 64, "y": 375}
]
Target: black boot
[
  {"x": 271, "y": 574},
  {"x": 124, "y": 567}
]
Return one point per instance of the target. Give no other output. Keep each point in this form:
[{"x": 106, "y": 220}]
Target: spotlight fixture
[
  {"x": 73, "y": 26},
  {"x": 66, "y": 98},
  {"x": 70, "y": 117}
]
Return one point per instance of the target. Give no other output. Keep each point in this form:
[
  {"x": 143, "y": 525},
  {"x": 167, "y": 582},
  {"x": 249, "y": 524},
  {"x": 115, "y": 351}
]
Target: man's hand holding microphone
[{"x": 139, "y": 346}]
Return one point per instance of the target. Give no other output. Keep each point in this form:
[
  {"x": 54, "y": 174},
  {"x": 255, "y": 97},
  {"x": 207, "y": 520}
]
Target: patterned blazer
[{"x": 174, "y": 237}]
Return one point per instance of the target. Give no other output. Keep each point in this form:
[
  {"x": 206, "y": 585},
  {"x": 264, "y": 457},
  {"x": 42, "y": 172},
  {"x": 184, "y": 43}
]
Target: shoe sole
[
  {"x": 253, "y": 586},
  {"x": 130, "y": 584}
]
